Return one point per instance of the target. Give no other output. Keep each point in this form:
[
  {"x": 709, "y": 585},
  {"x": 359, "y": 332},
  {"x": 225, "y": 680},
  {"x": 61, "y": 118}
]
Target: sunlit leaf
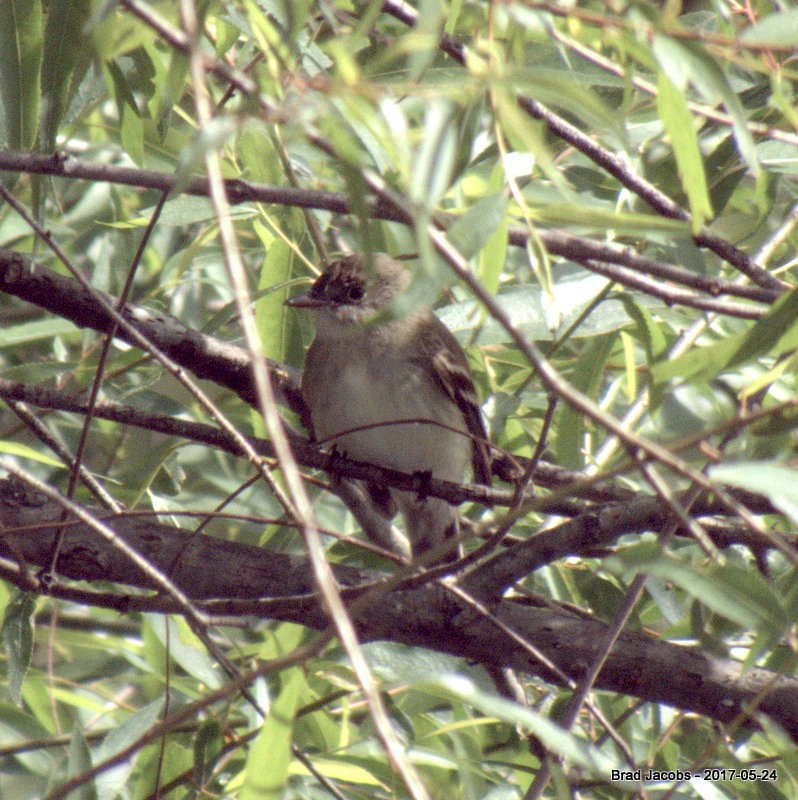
[
  {"x": 25, "y": 451},
  {"x": 684, "y": 61},
  {"x": 679, "y": 123},
  {"x": 779, "y": 29},
  {"x": 775, "y": 333},
  {"x": 777, "y": 482}
]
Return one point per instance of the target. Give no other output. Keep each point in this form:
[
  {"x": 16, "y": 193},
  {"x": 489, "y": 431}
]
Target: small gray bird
[{"x": 366, "y": 368}]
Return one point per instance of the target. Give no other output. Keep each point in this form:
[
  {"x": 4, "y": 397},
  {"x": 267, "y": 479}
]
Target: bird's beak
[{"x": 304, "y": 301}]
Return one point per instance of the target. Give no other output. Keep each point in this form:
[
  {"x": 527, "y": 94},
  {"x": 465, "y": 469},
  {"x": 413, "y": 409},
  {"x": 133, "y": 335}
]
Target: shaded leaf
[
  {"x": 270, "y": 756},
  {"x": 470, "y": 233},
  {"x": 20, "y": 56},
  {"x": 64, "y": 42},
  {"x": 17, "y": 637}
]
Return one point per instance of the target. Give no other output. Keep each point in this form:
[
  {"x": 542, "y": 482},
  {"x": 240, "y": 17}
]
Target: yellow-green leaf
[{"x": 678, "y": 122}]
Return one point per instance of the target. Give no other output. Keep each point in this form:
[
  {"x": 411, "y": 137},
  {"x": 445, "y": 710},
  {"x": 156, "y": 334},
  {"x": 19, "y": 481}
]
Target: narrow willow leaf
[
  {"x": 17, "y": 637},
  {"x": 473, "y": 230},
  {"x": 678, "y": 122},
  {"x": 270, "y": 755},
  {"x": 649, "y": 334},
  {"x": 64, "y": 41},
  {"x": 434, "y": 162},
  {"x": 79, "y": 762},
  {"x": 271, "y": 315},
  {"x": 24, "y": 451},
  {"x": 111, "y": 782},
  {"x": 586, "y": 377},
  {"x": 604, "y": 219},
  {"x": 687, "y": 61},
  {"x": 574, "y": 750},
  {"x": 21, "y": 58},
  {"x": 740, "y": 595},
  {"x": 207, "y": 747},
  {"x": 775, "y": 333}
]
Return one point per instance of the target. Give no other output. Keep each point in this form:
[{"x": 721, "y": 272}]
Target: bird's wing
[{"x": 452, "y": 374}]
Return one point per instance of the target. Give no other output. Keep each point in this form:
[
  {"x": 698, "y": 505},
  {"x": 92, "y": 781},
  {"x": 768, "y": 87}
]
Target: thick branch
[
  {"x": 431, "y": 617},
  {"x": 207, "y": 357}
]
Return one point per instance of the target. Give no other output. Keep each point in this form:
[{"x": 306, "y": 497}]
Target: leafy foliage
[{"x": 620, "y": 180}]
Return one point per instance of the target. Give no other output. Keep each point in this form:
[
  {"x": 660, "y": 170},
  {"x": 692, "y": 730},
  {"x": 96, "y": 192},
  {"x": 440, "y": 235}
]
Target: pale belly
[{"x": 409, "y": 447}]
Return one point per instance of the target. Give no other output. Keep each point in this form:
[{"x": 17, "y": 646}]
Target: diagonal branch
[
  {"x": 609, "y": 162},
  {"x": 582, "y": 250}
]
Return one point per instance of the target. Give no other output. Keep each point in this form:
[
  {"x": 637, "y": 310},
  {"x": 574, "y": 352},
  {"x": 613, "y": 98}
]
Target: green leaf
[
  {"x": 112, "y": 781},
  {"x": 777, "y": 482},
  {"x": 186, "y": 649},
  {"x": 735, "y": 593},
  {"x": 172, "y": 87},
  {"x": 207, "y": 748},
  {"x": 574, "y": 750},
  {"x": 270, "y": 755},
  {"x": 678, "y": 122},
  {"x": 272, "y": 317},
  {"x": 604, "y": 220},
  {"x": 494, "y": 253},
  {"x": 17, "y": 638},
  {"x": 424, "y": 38},
  {"x": 779, "y": 29},
  {"x": 528, "y": 135},
  {"x": 18, "y": 725},
  {"x": 587, "y": 375},
  {"x": 432, "y": 170},
  {"x": 342, "y": 770},
  {"x": 131, "y": 127},
  {"x": 25, "y": 451},
  {"x": 475, "y": 228},
  {"x": 21, "y": 57},
  {"x": 688, "y": 61},
  {"x": 64, "y": 42},
  {"x": 212, "y": 137},
  {"x": 526, "y": 307},
  {"x": 649, "y": 333},
  {"x": 79, "y": 761},
  {"x": 778, "y": 156},
  {"x": 28, "y": 332},
  {"x": 774, "y": 334}
]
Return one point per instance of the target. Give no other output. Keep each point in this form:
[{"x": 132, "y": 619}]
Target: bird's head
[{"x": 351, "y": 291}]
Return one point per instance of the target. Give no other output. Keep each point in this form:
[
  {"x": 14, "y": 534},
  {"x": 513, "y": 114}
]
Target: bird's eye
[{"x": 355, "y": 292}]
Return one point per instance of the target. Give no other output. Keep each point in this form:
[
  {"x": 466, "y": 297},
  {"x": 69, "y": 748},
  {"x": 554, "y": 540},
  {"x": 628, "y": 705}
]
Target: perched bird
[{"x": 366, "y": 371}]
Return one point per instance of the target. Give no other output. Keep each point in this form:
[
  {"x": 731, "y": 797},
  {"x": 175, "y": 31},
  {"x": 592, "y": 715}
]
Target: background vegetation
[{"x": 601, "y": 199}]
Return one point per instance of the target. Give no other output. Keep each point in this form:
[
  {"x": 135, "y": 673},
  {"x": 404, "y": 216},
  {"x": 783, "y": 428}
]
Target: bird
[{"x": 395, "y": 391}]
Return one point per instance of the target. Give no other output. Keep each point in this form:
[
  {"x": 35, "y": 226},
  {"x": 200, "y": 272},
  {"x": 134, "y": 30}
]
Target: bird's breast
[{"x": 365, "y": 406}]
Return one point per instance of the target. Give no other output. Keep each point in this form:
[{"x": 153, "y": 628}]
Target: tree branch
[
  {"x": 611, "y": 163},
  {"x": 591, "y": 254},
  {"x": 251, "y": 580}
]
